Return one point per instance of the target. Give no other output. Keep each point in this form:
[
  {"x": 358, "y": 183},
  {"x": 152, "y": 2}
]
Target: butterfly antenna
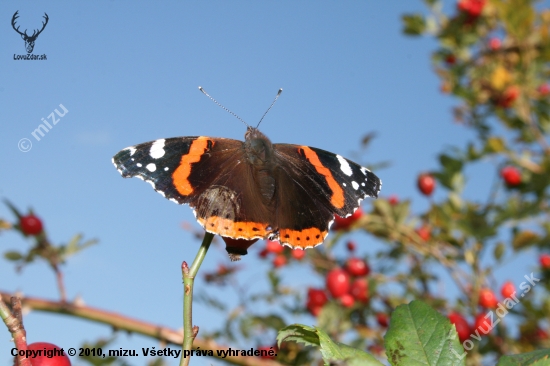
[
  {"x": 274, "y": 100},
  {"x": 227, "y": 110}
]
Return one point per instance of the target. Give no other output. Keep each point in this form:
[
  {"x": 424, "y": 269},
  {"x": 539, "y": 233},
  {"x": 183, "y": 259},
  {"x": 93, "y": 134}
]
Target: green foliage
[
  {"x": 413, "y": 24},
  {"x": 535, "y": 358},
  {"x": 419, "y": 335},
  {"x": 331, "y": 351}
]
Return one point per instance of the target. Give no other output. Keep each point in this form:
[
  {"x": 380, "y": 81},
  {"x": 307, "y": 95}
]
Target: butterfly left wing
[
  {"x": 166, "y": 164},
  {"x": 209, "y": 174}
]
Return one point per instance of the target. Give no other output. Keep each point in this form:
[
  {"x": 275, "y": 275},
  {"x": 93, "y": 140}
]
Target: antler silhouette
[
  {"x": 29, "y": 40},
  {"x": 13, "y": 19},
  {"x": 43, "y": 26}
]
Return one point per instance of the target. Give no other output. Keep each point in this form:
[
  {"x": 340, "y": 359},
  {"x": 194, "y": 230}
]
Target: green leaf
[
  {"x": 538, "y": 358},
  {"x": 414, "y": 24},
  {"x": 419, "y": 335},
  {"x": 299, "y": 334},
  {"x": 331, "y": 351},
  {"x": 451, "y": 165},
  {"x": 13, "y": 256},
  {"x": 500, "y": 248}
]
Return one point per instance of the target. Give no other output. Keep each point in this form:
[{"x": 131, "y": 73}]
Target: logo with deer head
[{"x": 29, "y": 40}]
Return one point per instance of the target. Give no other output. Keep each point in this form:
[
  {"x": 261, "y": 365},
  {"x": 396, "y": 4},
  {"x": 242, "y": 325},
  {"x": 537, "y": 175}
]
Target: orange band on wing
[
  {"x": 180, "y": 176},
  {"x": 235, "y": 229},
  {"x": 306, "y": 238},
  {"x": 337, "y": 199}
]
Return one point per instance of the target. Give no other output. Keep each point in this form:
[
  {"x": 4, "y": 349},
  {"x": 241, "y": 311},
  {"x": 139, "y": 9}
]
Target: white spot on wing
[
  {"x": 354, "y": 184},
  {"x": 344, "y": 184},
  {"x": 139, "y": 165},
  {"x": 157, "y": 149},
  {"x": 344, "y": 166},
  {"x": 151, "y": 167},
  {"x": 131, "y": 149},
  {"x": 364, "y": 171},
  {"x": 166, "y": 169}
]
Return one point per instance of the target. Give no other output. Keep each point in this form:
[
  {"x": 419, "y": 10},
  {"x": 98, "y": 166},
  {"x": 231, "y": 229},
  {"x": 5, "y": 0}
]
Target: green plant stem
[{"x": 190, "y": 332}]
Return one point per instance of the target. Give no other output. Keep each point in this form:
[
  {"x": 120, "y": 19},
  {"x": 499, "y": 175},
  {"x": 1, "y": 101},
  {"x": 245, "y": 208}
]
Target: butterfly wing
[
  {"x": 318, "y": 184},
  {"x": 207, "y": 173}
]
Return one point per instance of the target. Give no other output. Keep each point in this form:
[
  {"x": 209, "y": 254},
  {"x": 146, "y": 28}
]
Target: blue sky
[{"x": 128, "y": 72}]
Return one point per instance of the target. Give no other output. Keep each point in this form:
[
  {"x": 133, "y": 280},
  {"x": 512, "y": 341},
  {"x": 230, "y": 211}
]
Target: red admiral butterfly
[{"x": 252, "y": 189}]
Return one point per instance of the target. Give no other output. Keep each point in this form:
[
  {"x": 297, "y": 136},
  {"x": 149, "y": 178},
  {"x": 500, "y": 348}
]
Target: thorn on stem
[{"x": 195, "y": 331}]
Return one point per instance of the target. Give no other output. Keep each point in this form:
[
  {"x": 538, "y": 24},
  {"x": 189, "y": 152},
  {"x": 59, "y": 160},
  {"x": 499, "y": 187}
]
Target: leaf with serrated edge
[
  {"x": 535, "y": 358},
  {"x": 419, "y": 335},
  {"x": 298, "y": 333},
  {"x": 330, "y": 350}
]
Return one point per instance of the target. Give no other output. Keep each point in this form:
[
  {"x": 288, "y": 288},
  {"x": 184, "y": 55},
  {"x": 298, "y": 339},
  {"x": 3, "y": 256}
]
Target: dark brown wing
[
  {"x": 211, "y": 174},
  {"x": 314, "y": 185}
]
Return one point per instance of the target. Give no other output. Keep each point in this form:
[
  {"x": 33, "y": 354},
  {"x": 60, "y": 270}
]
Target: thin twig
[
  {"x": 14, "y": 323},
  {"x": 124, "y": 323}
]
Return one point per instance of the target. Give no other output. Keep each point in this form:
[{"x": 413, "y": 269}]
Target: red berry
[
  {"x": 315, "y": 310},
  {"x": 461, "y": 325},
  {"x": 450, "y": 59},
  {"x": 511, "y": 176},
  {"x": 544, "y": 260},
  {"x": 508, "y": 289},
  {"x": 382, "y": 319},
  {"x": 508, "y": 97},
  {"x": 30, "y": 225},
  {"x": 482, "y": 324},
  {"x": 347, "y": 300},
  {"x": 471, "y": 7},
  {"x": 393, "y": 200},
  {"x": 44, "y": 360},
  {"x": 494, "y": 44},
  {"x": 298, "y": 254},
  {"x": 342, "y": 223},
  {"x": 263, "y": 253},
  {"x": 351, "y": 246},
  {"x": 360, "y": 290},
  {"x": 338, "y": 282},
  {"x": 316, "y": 298},
  {"x": 279, "y": 261},
  {"x": 487, "y": 298},
  {"x": 544, "y": 89},
  {"x": 423, "y": 232},
  {"x": 274, "y": 247},
  {"x": 357, "y": 267},
  {"x": 541, "y": 334},
  {"x": 426, "y": 183}
]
